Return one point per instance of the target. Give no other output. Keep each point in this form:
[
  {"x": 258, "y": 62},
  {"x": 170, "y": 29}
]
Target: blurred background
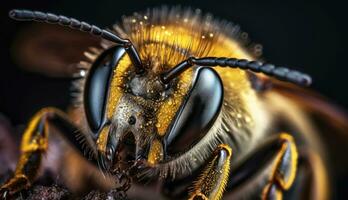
[{"x": 311, "y": 37}]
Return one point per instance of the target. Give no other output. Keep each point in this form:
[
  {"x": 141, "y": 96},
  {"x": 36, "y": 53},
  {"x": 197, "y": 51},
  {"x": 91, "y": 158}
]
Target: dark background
[{"x": 309, "y": 36}]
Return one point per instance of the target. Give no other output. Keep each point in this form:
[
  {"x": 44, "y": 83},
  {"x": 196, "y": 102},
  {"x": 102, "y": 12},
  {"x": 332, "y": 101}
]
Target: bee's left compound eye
[
  {"x": 97, "y": 86},
  {"x": 198, "y": 112}
]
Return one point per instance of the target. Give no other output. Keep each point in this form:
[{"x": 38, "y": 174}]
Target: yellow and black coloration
[{"x": 154, "y": 99}]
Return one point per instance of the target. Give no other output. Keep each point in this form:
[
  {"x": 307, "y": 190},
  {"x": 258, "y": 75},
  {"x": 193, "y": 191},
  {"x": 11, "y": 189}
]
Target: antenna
[{"x": 280, "y": 73}]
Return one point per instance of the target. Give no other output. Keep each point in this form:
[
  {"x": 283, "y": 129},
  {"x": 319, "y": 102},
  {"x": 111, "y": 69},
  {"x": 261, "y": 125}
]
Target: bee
[{"x": 177, "y": 101}]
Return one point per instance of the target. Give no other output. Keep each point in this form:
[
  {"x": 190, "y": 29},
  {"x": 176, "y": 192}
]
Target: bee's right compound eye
[
  {"x": 97, "y": 86},
  {"x": 198, "y": 112}
]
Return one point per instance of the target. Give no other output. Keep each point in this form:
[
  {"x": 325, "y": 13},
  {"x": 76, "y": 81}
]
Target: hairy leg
[
  {"x": 212, "y": 182},
  {"x": 34, "y": 144}
]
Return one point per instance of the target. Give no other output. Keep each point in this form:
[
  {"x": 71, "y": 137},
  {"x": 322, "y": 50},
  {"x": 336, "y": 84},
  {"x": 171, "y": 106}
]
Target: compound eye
[
  {"x": 198, "y": 112},
  {"x": 97, "y": 85}
]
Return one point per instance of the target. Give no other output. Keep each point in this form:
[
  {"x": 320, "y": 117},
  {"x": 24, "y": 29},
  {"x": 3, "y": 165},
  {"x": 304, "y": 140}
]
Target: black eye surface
[
  {"x": 198, "y": 112},
  {"x": 97, "y": 85}
]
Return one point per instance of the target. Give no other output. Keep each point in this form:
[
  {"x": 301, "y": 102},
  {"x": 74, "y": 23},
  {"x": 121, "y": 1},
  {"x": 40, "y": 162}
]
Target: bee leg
[
  {"x": 212, "y": 182},
  {"x": 267, "y": 172},
  {"x": 34, "y": 144},
  {"x": 284, "y": 169}
]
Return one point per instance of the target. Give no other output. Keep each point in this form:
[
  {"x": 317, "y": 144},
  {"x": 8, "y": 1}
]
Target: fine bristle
[{"x": 176, "y": 34}]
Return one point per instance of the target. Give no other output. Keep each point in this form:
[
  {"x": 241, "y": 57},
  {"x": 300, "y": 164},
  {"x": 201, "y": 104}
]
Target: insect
[{"x": 175, "y": 98}]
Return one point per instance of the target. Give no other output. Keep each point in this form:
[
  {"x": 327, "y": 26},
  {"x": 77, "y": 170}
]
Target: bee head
[{"x": 135, "y": 116}]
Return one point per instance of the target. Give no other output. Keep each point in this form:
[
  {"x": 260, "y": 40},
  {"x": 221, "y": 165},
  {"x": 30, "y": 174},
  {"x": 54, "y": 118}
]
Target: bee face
[
  {"x": 132, "y": 105},
  {"x": 154, "y": 114}
]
